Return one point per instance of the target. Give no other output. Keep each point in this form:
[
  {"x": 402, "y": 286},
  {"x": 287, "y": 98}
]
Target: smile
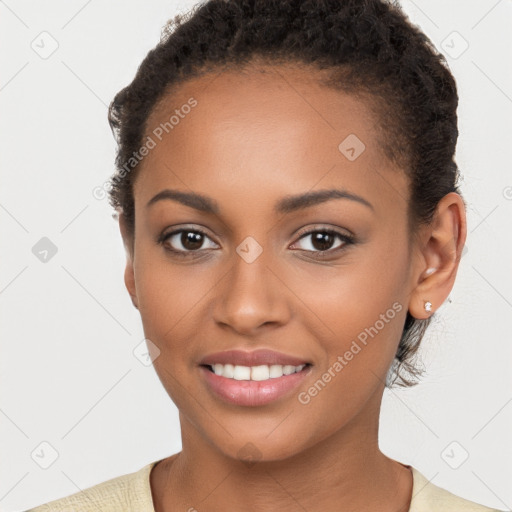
[
  {"x": 252, "y": 386},
  {"x": 257, "y": 373}
]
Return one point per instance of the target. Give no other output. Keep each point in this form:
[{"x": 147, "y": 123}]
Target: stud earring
[
  {"x": 430, "y": 270},
  {"x": 428, "y": 306}
]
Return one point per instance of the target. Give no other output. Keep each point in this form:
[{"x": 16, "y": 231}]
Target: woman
[{"x": 288, "y": 201}]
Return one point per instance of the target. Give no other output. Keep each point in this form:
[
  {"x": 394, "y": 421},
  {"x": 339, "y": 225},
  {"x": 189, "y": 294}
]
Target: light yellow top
[{"x": 132, "y": 493}]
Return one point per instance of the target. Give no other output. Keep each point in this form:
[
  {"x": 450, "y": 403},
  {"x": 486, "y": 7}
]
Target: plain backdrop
[{"x": 78, "y": 406}]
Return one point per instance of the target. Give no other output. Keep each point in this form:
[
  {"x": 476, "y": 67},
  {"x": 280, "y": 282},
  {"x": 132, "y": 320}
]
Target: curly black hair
[{"x": 363, "y": 47}]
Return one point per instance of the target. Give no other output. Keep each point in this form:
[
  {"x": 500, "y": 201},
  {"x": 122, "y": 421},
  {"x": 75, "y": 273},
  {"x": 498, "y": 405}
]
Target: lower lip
[{"x": 253, "y": 392}]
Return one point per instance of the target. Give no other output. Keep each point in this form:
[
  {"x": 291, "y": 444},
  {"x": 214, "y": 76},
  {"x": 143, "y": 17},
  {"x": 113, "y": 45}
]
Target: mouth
[
  {"x": 252, "y": 386},
  {"x": 259, "y": 373}
]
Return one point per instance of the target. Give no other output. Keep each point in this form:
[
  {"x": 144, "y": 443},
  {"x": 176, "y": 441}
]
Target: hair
[{"x": 367, "y": 48}]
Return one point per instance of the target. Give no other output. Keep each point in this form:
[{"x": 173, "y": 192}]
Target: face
[{"x": 325, "y": 281}]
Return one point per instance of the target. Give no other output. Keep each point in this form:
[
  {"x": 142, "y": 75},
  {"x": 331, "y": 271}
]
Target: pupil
[
  {"x": 322, "y": 240},
  {"x": 191, "y": 240}
]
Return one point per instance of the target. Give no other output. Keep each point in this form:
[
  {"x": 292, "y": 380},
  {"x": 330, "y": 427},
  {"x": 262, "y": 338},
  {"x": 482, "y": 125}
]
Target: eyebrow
[{"x": 287, "y": 204}]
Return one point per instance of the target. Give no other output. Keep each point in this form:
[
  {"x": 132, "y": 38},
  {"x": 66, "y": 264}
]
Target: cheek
[
  {"x": 359, "y": 312},
  {"x": 351, "y": 297},
  {"x": 359, "y": 338},
  {"x": 172, "y": 301},
  {"x": 167, "y": 291},
  {"x": 168, "y": 299},
  {"x": 364, "y": 338}
]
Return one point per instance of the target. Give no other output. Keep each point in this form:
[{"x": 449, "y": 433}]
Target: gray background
[{"x": 70, "y": 378}]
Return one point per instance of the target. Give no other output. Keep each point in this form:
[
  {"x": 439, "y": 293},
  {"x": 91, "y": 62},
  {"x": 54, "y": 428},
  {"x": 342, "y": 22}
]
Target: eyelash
[
  {"x": 347, "y": 239},
  {"x": 184, "y": 254}
]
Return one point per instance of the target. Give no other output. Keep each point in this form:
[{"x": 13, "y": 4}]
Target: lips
[
  {"x": 252, "y": 393},
  {"x": 253, "y": 358}
]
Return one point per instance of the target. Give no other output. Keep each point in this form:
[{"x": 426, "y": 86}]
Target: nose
[{"x": 252, "y": 296}]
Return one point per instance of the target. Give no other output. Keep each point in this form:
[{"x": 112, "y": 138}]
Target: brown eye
[
  {"x": 322, "y": 241},
  {"x": 191, "y": 240},
  {"x": 185, "y": 241}
]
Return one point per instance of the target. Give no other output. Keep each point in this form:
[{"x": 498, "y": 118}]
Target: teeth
[
  {"x": 242, "y": 373},
  {"x": 276, "y": 370},
  {"x": 262, "y": 372}
]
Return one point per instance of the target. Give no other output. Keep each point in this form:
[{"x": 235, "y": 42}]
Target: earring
[
  {"x": 430, "y": 270},
  {"x": 428, "y": 306}
]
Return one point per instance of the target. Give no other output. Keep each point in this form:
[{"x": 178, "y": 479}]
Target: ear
[
  {"x": 129, "y": 275},
  {"x": 440, "y": 246}
]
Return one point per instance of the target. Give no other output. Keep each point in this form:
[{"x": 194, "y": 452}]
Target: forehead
[
  {"x": 266, "y": 129},
  {"x": 258, "y": 95}
]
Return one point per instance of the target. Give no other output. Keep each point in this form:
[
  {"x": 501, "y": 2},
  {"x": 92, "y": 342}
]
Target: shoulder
[
  {"x": 427, "y": 497},
  {"x": 131, "y": 492}
]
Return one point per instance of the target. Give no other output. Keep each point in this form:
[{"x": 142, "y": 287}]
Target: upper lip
[{"x": 252, "y": 358}]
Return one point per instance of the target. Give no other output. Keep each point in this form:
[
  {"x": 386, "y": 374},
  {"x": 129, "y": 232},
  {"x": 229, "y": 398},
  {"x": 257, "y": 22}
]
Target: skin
[{"x": 251, "y": 140}]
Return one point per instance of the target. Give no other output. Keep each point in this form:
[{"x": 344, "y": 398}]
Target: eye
[
  {"x": 187, "y": 241},
  {"x": 322, "y": 240},
  {"x": 183, "y": 242}
]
